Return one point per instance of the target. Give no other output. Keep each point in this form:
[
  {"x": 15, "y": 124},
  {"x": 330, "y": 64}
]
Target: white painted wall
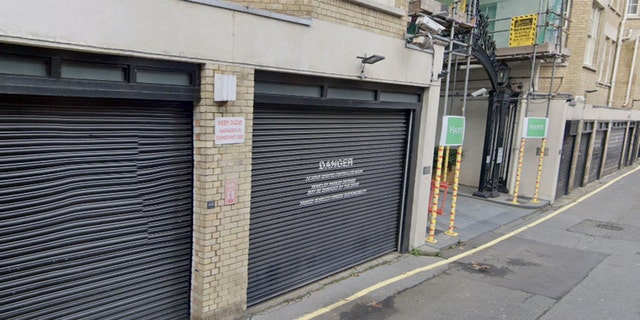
[
  {"x": 185, "y": 31},
  {"x": 422, "y": 179},
  {"x": 551, "y": 161},
  {"x": 475, "y": 125},
  {"x": 181, "y": 30}
]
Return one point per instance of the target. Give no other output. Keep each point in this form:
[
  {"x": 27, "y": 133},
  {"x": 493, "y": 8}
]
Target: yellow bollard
[
  {"x": 436, "y": 195},
  {"x": 445, "y": 163},
  {"x": 519, "y": 171},
  {"x": 539, "y": 176},
  {"x": 454, "y": 196}
]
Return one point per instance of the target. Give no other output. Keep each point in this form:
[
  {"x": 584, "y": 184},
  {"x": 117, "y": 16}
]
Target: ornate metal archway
[{"x": 500, "y": 103}]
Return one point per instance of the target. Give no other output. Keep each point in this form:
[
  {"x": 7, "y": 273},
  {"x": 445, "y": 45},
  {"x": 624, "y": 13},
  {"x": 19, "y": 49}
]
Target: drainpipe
[
  {"x": 617, "y": 57},
  {"x": 633, "y": 67}
]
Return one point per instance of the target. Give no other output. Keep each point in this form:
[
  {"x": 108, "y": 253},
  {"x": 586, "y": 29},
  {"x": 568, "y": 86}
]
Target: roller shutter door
[
  {"x": 596, "y": 156},
  {"x": 582, "y": 160},
  {"x": 614, "y": 151},
  {"x": 630, "y": 146},
  {"x": 327, "y": 192},
  {"x": 565, "y": 165},
  {"x": 96, "y": 210}
]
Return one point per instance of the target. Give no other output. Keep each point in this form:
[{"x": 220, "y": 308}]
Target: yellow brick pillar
[{"x": 221, "y": 232}]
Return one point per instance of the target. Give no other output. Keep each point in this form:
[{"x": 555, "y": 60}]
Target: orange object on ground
[{"x": 444, "y": 188}]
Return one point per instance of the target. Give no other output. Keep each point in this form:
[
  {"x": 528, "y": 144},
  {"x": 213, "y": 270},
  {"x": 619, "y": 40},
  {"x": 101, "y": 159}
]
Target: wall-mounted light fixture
[{"x": 364, "y": 60}]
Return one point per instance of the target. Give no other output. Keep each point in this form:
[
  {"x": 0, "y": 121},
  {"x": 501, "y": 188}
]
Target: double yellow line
[{"x": 441, "y": 263}]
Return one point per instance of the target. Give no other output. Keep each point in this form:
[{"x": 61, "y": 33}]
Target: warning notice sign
[
  {"x": 523, "y": 30},
  {"x": 229, "y": 130}
]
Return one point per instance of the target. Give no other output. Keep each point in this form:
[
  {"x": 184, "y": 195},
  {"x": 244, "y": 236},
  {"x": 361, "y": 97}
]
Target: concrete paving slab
[
  {"x": 610, "y": 291},
  {"x": 432, "y": 300},
  {"x": 550, "y": 270},
  {"x": 607, "y": 230},
  {"x": 474, "y": 217},
  {"x": 328, "y": 291}
]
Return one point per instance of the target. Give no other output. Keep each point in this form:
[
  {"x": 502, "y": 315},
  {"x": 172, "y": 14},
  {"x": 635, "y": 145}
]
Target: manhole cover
[{"x": 607, "y": 230}]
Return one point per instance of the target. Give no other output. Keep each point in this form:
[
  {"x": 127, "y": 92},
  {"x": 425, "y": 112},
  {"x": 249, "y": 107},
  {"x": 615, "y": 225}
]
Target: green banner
[
  {"x": 452, "y": 133},
  {"x": 535, "y": 127}
]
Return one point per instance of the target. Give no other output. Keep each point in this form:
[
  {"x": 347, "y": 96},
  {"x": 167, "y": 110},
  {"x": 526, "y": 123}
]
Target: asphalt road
[{"x": 582, "y": 264}]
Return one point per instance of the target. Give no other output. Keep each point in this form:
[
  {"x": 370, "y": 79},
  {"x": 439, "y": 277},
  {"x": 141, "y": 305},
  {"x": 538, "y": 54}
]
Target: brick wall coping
[{"x": 253, "y": 11}]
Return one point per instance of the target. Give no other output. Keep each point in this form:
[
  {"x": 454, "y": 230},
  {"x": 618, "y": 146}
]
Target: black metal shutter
[
  {"x": 565, "y": 164},
  {"x": 630, "y": 145},
  {"x": 582, "y": 160},
  {"x": 596, "y": 156},
  {"x": 614, "y": 150},
  {"x": 96, "y": 210},
  {"x": 327, "y": 192}
]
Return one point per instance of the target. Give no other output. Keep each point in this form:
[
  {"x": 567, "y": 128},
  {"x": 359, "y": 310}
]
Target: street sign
[
  {"x": 535, "y": 127},
  {"x": 523, "y": 30},
  {"x": 452, "y": 133}
]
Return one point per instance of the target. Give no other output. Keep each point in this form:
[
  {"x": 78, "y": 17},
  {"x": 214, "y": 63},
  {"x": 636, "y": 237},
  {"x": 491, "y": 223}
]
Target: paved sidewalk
[{"x": 475, "y": 216}]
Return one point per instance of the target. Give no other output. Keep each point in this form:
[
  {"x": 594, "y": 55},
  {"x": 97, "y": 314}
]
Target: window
[
  {"x": 489, "y": 11},
  {"x": 633, "y": 7},
  {"x": 592, "y": 36},
  {"x": 23, "y": 65},
  {"x": 606, "y": 61},
  {"x": 615, "y": 5}
]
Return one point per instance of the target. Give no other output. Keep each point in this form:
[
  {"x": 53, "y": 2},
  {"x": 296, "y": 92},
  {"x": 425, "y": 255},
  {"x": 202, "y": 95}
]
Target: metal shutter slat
[
  {"x": 97, "y": 204},
  {"x": 614, "y": 151},
  {"x": 596, "y": 157},
  {"x": 288, "y": 144},
  {"x": 582, "y": 160}
]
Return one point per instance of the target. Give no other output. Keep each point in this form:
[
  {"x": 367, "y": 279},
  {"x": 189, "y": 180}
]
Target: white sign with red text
[
  {"x": 231, "y": 191},
  {"x": 229, "y": 130}
]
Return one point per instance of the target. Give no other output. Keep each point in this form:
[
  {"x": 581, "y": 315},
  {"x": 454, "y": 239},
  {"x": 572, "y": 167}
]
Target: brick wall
[
  {"x": 574, "y": 77},
  {"x": 221, "y": 234},
  {"x": 622, "y": 79},
  {"x": 298, "y": 8},
  {"x": 341, "y": 12}
]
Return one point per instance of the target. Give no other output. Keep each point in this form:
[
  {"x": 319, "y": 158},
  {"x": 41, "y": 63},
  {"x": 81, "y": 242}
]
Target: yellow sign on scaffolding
[{"x": 523, "y": 30}]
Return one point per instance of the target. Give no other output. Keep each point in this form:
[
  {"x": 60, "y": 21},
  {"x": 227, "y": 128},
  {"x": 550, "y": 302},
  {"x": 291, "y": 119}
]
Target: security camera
[
  {"x": 479, "y": 92},
  {"x": 427, "y": 24}
]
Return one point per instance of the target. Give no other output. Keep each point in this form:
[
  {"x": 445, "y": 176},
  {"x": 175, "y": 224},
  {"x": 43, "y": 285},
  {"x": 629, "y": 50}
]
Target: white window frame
[
  {"x": 632, "y": 7},
  {"x": 592, "y": 36},
  {"x": 606, "y": 61}
]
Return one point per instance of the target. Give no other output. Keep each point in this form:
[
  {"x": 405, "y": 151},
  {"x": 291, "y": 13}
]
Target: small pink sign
[{"x": 230, "y": 191}]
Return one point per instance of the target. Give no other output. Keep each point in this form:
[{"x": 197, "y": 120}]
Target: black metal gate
[
  {"x": 96, "y": 202},
  {"x": 614, "y": 149},
  {"x": 565, "y": 161},
  {"x": 327, "y": 192}
]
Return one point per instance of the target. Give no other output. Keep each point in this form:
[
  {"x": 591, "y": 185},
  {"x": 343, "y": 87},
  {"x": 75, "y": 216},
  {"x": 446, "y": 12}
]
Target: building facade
[
  {"x": 176, "y": 159},
  {"x": 579, "y": 73}
]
